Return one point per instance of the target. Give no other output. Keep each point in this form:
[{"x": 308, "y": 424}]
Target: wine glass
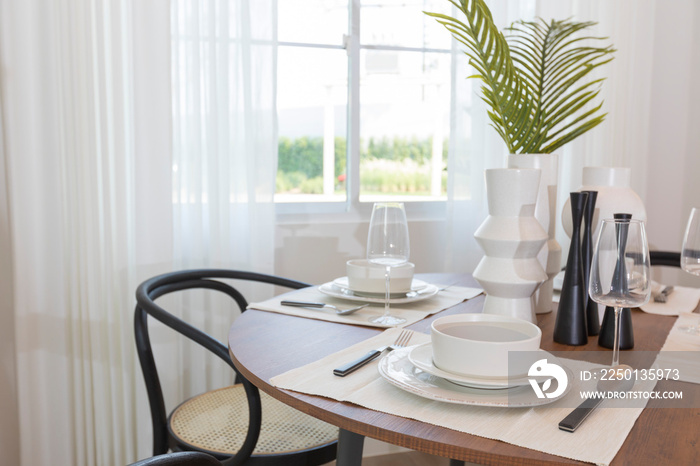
[
  {"x": 388, "y": 245},
  {"x": 690, "y": 255},
  {"x": 620, "y": 270}
]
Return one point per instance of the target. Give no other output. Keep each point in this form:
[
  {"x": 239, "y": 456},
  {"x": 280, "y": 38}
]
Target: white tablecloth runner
[
  {"x": 412, "y": 312},
  {"x": 682, "y": 349},
  {"x": 681, "y": 300},
  {"x": 596, "y": 441}
]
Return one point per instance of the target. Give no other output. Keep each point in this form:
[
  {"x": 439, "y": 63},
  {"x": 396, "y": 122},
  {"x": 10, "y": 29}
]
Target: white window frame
[{"x": 352, "y": 209}]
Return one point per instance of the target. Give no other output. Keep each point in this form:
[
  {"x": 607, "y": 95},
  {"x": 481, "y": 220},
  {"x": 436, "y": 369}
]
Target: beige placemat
[
  {"x": 682, "y": 349},
  {"x": 681, "y": 300},
  {"x": 597, "y": 440},
  {"x": 412, "y": 312}
]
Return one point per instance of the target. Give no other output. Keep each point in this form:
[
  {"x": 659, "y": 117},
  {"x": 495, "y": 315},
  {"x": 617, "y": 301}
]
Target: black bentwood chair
[
  {"x": 227, "y": 423},
  {"x": 666, "y": 258}
]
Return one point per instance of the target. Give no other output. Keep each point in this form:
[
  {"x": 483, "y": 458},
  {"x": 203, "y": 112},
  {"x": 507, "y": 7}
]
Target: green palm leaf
[
  {"x": 535, "y": 79},
  {"x": 503, "y": 89},
  {"x": 558, "y": 64}
]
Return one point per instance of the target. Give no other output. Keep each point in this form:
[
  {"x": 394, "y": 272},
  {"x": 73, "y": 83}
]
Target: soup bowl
[
  {"x": 367, "y": 277},
  {"x": 477, "y": 345}
]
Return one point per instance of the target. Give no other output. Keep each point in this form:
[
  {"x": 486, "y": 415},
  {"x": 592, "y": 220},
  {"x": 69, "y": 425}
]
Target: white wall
[{"x": 673, "y": 182}]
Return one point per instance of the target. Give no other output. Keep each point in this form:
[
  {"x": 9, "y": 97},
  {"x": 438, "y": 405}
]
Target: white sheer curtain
[
  {"x": 106, "y": 188},
  {"x": 225, "y": 154},
  {"x": 622, "y": 140},
  {"x": 224, "y": 162},
  {"x": 84, "y": 150}
]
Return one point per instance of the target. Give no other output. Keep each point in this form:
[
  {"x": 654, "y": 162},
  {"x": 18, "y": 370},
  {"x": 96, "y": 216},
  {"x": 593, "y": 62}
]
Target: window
[{"x": 363, "y": 92}]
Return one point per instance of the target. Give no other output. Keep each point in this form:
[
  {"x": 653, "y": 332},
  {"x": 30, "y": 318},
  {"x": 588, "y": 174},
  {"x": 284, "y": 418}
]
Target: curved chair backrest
[
  {"x": 180, "y": 458},
  {"x": 153, "y": 288},
  {"x": 666, "y": 258}
]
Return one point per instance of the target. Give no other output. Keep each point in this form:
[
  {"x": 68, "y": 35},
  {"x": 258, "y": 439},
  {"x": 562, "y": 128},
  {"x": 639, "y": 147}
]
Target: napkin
[
  {"x": 534, "y": 428},
  {"x": 682, "y": 349},
  {"x": 682, "y": 300},
  {"x": 412, "y": 311}
]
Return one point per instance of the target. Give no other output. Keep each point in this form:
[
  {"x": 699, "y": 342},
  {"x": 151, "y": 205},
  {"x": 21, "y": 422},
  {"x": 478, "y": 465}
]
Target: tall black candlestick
[
  {"x": 592, "y": 318},
  {"x": 570, "y": 324}
]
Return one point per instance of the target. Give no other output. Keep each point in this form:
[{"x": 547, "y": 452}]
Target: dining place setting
[
  {"x": 379, "y": 290},
  {"x": 427, "y": 378},
  {"x": 482, "y": 373}
]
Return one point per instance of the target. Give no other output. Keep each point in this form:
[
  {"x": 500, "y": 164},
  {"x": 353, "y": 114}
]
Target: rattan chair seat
[{"x": 217, "y": 421}]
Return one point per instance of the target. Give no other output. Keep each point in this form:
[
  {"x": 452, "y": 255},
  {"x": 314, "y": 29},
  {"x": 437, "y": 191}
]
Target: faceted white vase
[
  {"x": 511, "y": 238},
  {"x": 614, "y": 196},
  {"x": 545, "y": 213}
]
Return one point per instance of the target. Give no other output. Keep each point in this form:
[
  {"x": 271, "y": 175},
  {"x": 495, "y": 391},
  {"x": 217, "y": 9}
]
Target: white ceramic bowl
[
  {"x": 478, "y": 344},
  {"x": 366, "y": 277}
]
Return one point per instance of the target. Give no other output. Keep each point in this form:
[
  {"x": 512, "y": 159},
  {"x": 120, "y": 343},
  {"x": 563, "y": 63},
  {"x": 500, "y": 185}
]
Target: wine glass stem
[
  {"x": 388, "y": 288},
  {"x": 616, "y": 341}
]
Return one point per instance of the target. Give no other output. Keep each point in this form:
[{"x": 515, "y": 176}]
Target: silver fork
[
  {"x": 662, "y": 296},
  {"x": 400, "y": 342}
]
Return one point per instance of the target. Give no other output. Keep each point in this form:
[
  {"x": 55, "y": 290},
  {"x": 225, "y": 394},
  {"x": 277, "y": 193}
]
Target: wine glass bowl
[
  {"x": 690, "y": 255},
  {"x": 620, "y": 270},
  {"x": 388, "y": 245}
]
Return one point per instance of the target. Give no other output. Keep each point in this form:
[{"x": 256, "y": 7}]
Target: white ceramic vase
[
  {"x": 511, "y": 238},
  {"x": 614, "y": 196},
  {"x": 545, "y": 213}
]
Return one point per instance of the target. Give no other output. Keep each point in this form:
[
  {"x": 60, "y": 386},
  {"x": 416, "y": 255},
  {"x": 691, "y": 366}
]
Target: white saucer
[
  {"x": 420, "y": 290},
  {"x": 396, "y": 368},
  {"x": 421, "y": 356}
]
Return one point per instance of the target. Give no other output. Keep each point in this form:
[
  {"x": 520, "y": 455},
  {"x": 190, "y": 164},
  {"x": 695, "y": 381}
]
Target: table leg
[{"x": 349, "y": 448}]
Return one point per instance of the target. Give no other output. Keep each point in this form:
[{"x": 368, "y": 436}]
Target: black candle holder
[
  {"x": 570, "y": 324},
  {"x": 592, "y": 317},
  {"x": 606, "y": 338}
]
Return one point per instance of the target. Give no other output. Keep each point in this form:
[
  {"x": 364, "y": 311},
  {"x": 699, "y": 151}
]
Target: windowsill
[{"x": 343, "y": 212}]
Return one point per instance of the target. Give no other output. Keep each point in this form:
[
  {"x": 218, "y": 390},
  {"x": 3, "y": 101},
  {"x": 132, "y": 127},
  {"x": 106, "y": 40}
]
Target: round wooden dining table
[{"x": 265, "y": 344}]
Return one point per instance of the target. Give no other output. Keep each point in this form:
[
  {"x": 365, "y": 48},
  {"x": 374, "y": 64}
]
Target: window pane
[
  {"x": 312, "y": 108},
  {"x": 404, "y": 124},
  {"x": 312, "y": 21},
  {"x": 403, "y": 23}
]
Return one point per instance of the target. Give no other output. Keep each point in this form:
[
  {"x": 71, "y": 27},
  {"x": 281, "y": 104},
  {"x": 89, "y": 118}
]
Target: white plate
[
  {"x": 398, "y": 370},
  {"x": 420, "y": 292},
  {"x": 421, "y": 356},
  {"x": 344, "y": 283}
]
